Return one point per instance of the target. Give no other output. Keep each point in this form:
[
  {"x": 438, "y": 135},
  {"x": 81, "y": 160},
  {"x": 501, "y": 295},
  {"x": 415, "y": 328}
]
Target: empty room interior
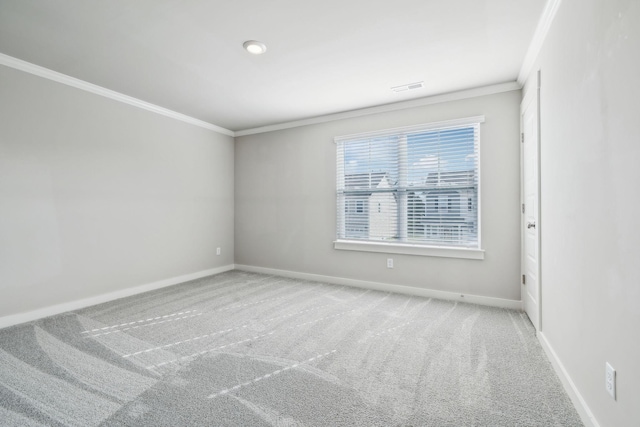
[{"x": 336, "y": 213}]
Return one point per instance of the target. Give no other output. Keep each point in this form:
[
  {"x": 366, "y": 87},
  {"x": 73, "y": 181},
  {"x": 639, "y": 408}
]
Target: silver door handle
[{"x": 531, "y": 225}]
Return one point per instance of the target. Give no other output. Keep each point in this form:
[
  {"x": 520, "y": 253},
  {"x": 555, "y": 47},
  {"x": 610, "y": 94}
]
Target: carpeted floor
[{"x": 243, "y": 349}]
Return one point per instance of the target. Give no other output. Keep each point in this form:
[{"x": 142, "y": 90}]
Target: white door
[{"x": 530, "y": 199}]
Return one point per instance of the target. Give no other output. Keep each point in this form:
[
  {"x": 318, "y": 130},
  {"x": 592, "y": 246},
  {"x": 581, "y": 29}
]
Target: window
[{"x": 418, "y": 177}]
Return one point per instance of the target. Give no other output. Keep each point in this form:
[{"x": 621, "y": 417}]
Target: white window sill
[{"x": 408, "y": 249}]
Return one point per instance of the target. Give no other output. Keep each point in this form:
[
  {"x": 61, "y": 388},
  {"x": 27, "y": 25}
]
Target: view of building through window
[{"x": 418, "y": 187}]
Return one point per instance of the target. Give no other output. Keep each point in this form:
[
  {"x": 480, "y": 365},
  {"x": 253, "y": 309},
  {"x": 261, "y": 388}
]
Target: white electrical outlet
[
  {"x": 389, "y": 262},
  {"x": 217, "y": 251},
  {"x": 610, "y": 381}
]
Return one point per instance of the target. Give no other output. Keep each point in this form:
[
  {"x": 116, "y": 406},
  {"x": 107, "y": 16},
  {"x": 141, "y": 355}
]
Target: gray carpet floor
[{"x": 243, "y": 349}]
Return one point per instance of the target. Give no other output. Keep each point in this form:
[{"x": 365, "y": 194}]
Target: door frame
[{"x": 532, "y": 96}]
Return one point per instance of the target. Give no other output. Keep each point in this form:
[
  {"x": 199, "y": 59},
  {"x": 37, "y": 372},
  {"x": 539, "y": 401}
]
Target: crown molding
[
  {"x": 547, "y": 17},
  {"x": 46, "y": 73},
  {"x": 429, "y": 100},
  {"x": 55, "y": 76}
]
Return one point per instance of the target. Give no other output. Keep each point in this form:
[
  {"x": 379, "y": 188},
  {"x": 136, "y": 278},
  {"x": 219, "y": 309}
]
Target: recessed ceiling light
[
  {"x": 255, "y": 47},
  {"x": 410, "y": 86}
]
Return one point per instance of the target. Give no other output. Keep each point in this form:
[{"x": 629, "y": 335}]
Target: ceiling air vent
[{"x": 410, "y": 86}]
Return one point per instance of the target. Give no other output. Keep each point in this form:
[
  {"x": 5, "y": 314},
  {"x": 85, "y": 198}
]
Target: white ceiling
[{"x": 323, "y": 57}]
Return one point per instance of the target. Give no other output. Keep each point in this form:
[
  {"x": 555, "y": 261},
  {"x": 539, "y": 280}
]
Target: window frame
[{"x": 415, "y": 248}]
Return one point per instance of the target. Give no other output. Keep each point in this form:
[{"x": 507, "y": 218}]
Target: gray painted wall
[
  {"x": 97, "y": 196},
  {"x": 286, "y": 202},
  {"x": 590, "y": 101}
]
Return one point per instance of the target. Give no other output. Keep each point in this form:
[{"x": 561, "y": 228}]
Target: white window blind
[{"x": 415, "y": 185}]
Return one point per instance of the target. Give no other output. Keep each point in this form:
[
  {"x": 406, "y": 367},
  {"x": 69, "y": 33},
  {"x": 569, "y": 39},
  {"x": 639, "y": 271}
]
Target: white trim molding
[
  {"x": 408, "y": 249},
  {"x": 387, "y": 287},
  {"x": 29, "y": 316},
  {"x": 540, "y": 34},
  {"x": 428, "y": 100},
  {"x": 55, "y": 76},
  {"x": 588, "y": 419}
]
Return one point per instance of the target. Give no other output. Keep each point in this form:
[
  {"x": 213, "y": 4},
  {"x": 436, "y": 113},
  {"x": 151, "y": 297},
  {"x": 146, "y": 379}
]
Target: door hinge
[
  {"x": 524, "y": 279},
  {"x": 522, "y": 137},
  {"x": 523, "y": 208}
]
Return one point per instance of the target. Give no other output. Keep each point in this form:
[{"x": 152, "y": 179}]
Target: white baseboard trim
[
  {"x": 30, "y": 316},
  {"x": 386, "y": 287},
  {"x": 588, "y": 419}
]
